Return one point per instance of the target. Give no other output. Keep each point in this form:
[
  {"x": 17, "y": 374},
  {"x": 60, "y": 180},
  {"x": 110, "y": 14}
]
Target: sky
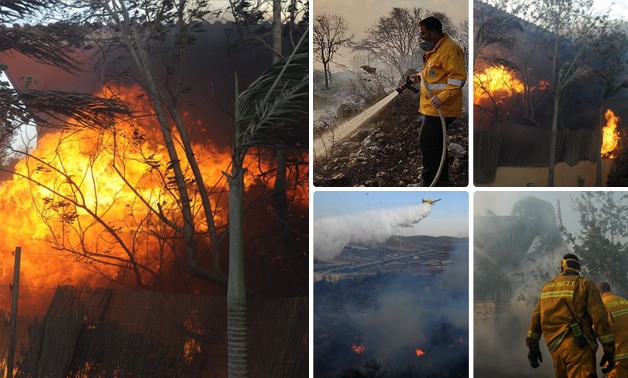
[
  {"x": 448, "y": 217},
  {"x": 619, "y": 8},
  {"x": 362, "y": 14},
  {"x": 367, "y": 217},
  {"x": 501, "y": 203}
]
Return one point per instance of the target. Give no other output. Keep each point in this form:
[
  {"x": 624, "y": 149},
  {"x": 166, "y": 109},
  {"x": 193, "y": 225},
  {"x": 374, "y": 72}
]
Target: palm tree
[{"x": 271, "y": 113}]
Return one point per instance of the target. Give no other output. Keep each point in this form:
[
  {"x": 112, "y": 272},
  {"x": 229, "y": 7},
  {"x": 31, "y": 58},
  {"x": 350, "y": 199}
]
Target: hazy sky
[
  {"x": 619, "y": 8},
  {"x": 448, "y": 217},
  {"x": 362, "y": 14},
  {"x": 501, "y": 203}
]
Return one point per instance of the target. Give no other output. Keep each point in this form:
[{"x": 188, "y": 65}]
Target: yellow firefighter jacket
[
  {"x": 445, "y": 73},
  {"x": 552, "y": 314},
  {"x": 618, "y": 315}
]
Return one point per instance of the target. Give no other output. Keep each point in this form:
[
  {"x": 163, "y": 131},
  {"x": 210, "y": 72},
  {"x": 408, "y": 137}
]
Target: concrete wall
[{"x": 581, "y": 174}]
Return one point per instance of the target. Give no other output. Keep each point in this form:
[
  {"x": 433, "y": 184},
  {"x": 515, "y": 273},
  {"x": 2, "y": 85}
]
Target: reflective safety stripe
[
  {"x": 456, "y": 82},
  {"x": 436, "y": 86},
  {"x": 622, "y": 356},
  {"x": 619, "y": 312},
  {"x": 552, "y": 347},
  {"x": 557, "y": 294},
  {"x": 605, "y": 339},
  {"x": 534, "y": 335}
]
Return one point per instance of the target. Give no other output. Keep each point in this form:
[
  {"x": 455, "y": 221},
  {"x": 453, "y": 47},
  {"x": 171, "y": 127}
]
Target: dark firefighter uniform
[
  {"x": 566, "y": 300},
  {"x": 618, "y": 315}
]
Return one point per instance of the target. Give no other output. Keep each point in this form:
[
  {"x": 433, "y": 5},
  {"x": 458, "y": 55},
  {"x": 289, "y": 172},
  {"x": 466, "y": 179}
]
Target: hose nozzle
[{"x": 407, "y": 85}]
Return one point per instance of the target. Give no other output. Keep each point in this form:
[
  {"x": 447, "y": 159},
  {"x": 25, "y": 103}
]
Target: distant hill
[{"x": 397, "y": 240}]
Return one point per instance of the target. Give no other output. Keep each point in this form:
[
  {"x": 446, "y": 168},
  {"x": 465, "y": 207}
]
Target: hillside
[{"x": 385, "y": 150}]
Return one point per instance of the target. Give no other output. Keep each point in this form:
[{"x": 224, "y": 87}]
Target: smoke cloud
[{"x": 332, "y": 234}]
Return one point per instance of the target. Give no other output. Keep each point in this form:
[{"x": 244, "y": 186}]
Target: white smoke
[{"x": 332, "y": 234}]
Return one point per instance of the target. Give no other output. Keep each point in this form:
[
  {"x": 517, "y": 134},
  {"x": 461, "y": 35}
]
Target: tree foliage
[
  {"x": 512, "y": 252},
  {"x": 254, "y": 22},
  {"x": 602, "y": 240},
  {"x": 50, "y": 44},
  {"x": 394, "y": 40}
]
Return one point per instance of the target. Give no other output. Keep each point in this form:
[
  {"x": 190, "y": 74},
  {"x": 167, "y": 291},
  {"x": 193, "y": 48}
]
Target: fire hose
[{"x": 408, "y": 85}]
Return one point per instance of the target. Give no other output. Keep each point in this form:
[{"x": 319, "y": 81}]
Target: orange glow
[
  {"x": 68, "y": 195},
  {"x": 419, "y": 352},
  {"x": 497, "y": 83},
  {"x": 359, "y": 349},
  {"x": 610, "y": 135}
]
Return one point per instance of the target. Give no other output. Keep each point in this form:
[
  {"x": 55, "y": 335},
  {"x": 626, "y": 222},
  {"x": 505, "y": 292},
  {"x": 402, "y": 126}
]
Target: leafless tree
[
  {"x": 394, "y": 40},
  {"x": 330, "y": 35}
]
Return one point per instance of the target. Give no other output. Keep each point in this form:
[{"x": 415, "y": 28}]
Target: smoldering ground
[
  {"x": 391, "y": 315},
  {"x": 332, "y": 234}
]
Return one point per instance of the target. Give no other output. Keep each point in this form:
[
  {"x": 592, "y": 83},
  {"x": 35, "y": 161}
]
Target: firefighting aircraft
[{"x": 430, "y": 201}]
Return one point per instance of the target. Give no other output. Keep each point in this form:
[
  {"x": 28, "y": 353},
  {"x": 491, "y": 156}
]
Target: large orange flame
[
  {"x": 610, "y": 135},
  {"x": 80, "y": 190},
  {"x": 497, "y": 83}
]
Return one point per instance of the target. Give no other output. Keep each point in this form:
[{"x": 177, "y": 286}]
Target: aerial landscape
[{"x": 389, "y": 303}]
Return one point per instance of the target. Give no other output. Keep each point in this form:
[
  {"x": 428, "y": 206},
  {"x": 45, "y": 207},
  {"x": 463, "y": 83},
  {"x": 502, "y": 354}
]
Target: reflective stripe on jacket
[
  {"x": 552, "y": 314},
  {"x": 618, "y": 315},
  {"x": 445, "y": 73}
]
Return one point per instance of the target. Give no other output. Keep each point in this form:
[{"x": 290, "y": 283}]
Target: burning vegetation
[{"x": 390, "y": 320}]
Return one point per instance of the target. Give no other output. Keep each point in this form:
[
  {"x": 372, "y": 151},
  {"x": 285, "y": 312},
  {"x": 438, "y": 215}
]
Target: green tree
[{"x": 601, "y": 241}]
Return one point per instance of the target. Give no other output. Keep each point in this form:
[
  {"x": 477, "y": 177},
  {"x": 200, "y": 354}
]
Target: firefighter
[
  {"x": 618, "y": 315},
  {"x": 570, "y": 314},
  {"x": 444, "y": 73}
]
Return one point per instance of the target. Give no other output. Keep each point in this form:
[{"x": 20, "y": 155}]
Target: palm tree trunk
[
  {"x": 598, "y": 170},
  {"x": 236, "y": 291},
  {"x": 553, "y": 137}
]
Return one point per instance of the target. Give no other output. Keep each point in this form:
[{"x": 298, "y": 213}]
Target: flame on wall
[
  {"x": 497, "y": 83},
  {"x": 610, "y": 135},
  {"x": 419, "y": 352}
]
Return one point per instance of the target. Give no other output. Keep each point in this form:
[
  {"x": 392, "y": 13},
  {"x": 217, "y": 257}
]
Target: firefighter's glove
[
  {"x": 436, "y": 102},
  {"x": 608, "y": 359},
  {"x": 534, "y": 354}
]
